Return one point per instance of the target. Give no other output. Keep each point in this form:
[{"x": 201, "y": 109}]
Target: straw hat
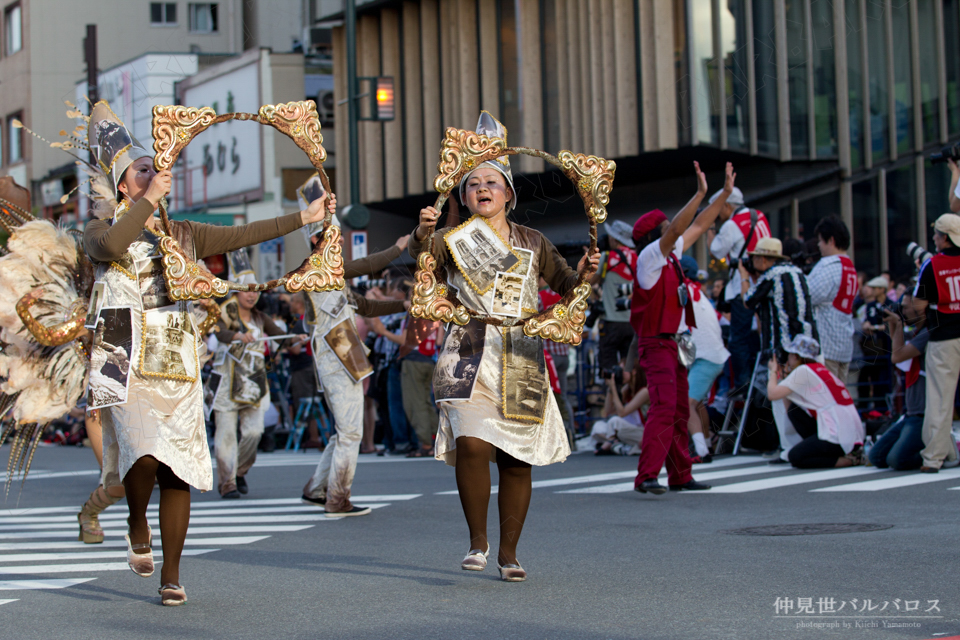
[{"x": 769, "y": 248}]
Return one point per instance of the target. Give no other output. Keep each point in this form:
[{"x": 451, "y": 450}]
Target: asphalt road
[{"x": 604, "y": 561}]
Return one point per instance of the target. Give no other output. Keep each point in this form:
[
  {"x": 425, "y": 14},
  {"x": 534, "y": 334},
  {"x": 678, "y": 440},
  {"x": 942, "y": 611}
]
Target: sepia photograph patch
[
  {"x": 525, "y": 385},
  {"x": 153, "y": 288},
  {"x": 169, "y": 347},
  {"x": 459, "y": 362},
  {"x": 333, "y": 303},
  {"x": 210, "y": 391},
  {"x": 345, "y": 343},
  {"x": 507, "y": 293},
  {"x": 96, "y": 302},
  {"x": 110, "y": 358},
  {"x": 480, "y": 253},
  {"x": 248, "y": 383}
]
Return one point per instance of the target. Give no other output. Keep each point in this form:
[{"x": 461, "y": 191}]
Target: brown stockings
[
  {"x": 473, "y": 482},
  {"x": 174, "y": 511}
]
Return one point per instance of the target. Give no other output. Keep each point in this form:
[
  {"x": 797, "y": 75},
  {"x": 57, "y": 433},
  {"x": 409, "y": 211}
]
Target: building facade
[{"x": 825, "y": 106}]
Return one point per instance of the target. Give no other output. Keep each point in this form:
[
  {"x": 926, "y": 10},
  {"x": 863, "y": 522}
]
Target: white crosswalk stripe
[
  {"x": 780, "y": 476},
  {"x": 897, "y": 481},
  {"x": 619, "y": 475},
  {"x": 42, "y": 542}
]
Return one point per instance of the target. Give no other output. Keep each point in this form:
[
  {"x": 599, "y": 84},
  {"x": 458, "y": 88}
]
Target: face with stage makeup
[{"x": 486, "y": 193}]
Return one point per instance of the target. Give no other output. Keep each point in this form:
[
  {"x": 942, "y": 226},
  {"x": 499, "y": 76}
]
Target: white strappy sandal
[{"x": 475, "y": 560}]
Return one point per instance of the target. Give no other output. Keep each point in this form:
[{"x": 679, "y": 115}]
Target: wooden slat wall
[
  {"x": 393, "y": 152},
  {"x": 450, "y": 72},
  {"x": 413, "y": 98}
]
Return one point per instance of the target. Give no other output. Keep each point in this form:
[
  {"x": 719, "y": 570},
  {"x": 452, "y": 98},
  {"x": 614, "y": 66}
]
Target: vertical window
[
  {"x": 936, "y": 183},
  {"x": 824, "y": 78},
  {"x": 929, "y": 89},
  {"x": 551, "y": 75},
  {"x": 733, "y": 49},
  {"x": 901, "y": 218},
  {"x": 765, "y": 74},
  {"x": 951, "y": 36},
  {"x": 12, "y": 29},
  {"x": 813, "y": 209},
  {"x": 163, "y": 13},
  {"x": 855, "y": 83},
  {"x": 902, "y": 77},
  {"x": 703, "y": 72},
  {"x": 510, "y": 95},
  {"x": 797, "y": 81},
  {"x": 877, "y": 59},
  {"x": 866, "y": 231},
  {"x": 14, "y": 139},
  {"x": 203, "y": 17}
]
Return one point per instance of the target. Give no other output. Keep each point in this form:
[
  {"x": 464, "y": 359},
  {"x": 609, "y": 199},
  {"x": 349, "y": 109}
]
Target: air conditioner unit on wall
[{"x": 325, "y": 106}]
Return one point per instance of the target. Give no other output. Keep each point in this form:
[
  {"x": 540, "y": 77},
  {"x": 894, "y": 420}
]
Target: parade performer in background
[
  {"x": 28, "y": 367},
  {"x": 242, "y": 393},
  {"x": 154, "y": 432},
  {"x": 661, "y": 312},
  {"x": 341, "y": 361},
  {"x": 478, "y": 361}
]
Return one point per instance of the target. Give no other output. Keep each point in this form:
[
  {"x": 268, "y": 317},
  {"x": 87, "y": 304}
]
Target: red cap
[{"x": 647, "y": 223}]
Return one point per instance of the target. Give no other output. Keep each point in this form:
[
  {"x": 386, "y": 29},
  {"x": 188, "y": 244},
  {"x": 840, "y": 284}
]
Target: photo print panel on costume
[
  {"x": 530, "y": 283},
  {"x": 480, "y": 253},
  {"x": 333, "y": 303},
  {"x": 248, "y": 381},
  {"x": 96, "y": 302},
  {"x": 110, "y": 358},
  {"x": 345, "y": 343},
  {"x": 507, "y": 294},
  {"x": 153, "y": 288},
  {"x": 210, "y": 390},
  {"x": 168, "y": 346},
  {"x": 525, "y": 384},
  {"x": 459, "y": 362}
]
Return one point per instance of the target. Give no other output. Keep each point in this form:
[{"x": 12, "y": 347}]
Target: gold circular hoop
[
  {"x": 462, "y": 152},
  {"x": 173, "y": 128}
]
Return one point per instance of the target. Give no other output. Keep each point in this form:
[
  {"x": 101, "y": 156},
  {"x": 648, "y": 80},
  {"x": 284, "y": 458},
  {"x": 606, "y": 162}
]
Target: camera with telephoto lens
[
  {"x": 624, "y": 293},
  {"x": 747, "y": 264},
  {"x": 366, "y": 285},
  {"x": 918, "y": 253},
  {"x": 947, "y": 153}
]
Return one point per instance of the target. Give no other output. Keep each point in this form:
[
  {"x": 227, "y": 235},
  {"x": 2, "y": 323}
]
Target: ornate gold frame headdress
[
  {"x": 462, "y": 152},
  {"x": 173, "y": 129}
]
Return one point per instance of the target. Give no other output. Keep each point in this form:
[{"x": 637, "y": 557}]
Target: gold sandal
[{"x": 89, "y": 517}]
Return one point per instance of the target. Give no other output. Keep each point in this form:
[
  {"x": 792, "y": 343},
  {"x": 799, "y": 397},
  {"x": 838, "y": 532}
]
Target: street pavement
[{"x": 604, "y": 561}]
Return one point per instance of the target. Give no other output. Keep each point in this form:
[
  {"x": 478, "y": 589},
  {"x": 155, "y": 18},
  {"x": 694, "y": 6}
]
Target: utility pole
[{"x": 90, "y": 57}]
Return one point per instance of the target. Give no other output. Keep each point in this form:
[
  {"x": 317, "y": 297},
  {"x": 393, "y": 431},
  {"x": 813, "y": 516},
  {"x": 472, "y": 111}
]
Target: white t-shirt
[
  {"x": 729, "y": 242},
  {"x": 836, "y": 423},
  {"x": 651, "y": 262},
  {"x": 706, "y": 335}
]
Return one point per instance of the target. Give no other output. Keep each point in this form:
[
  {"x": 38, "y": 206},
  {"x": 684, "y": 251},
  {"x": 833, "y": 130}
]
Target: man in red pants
[{"x": 657, "y": 315}]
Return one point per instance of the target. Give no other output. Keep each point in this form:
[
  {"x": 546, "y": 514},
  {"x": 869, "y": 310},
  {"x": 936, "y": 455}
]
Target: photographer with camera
[
  {"x": 938, "y": 293},
  {"x": 780, "y": 296},
  {"x": 620, "y": 432},
  {"x": 740, "y": 230},
  {"x": 617, "y": 272},
  {"x": 833, "y": 287},
  {"x": 899, "y": 447}
]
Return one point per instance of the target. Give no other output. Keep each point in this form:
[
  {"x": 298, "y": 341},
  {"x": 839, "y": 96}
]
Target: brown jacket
[{"x": 104, "y": 242}]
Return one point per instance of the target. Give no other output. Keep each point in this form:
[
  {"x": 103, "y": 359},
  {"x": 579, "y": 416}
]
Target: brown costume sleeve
[
  {"x": 555, "y": 269},
  {"x": 104, "y": 242},
  {"x": 210, "y": 239},
  {"x": 372, "y": 264},
  {"x": 414, "y": 246},
  {"x": 376, "y": 308}
]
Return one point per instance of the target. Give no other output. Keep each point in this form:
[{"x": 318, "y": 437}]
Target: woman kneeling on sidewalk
[{"x": 821, "y": 409}]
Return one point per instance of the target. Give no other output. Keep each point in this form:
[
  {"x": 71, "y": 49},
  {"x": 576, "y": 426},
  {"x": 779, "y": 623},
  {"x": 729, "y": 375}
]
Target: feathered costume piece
[{"x": 47, "y": 278}]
